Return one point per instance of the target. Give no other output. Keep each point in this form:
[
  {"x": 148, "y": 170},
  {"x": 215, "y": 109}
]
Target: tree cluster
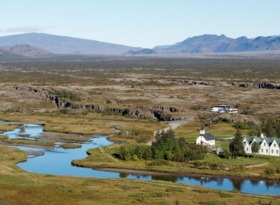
[
  {"x": 236, "y": 147},
  {"x": 165, "y": 147},
  {"x": 271, "y": 128},
  {"x": 135, "y": 152}
]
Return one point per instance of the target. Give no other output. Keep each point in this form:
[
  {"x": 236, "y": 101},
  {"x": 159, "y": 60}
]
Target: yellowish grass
[
  {"x": 18, "y": 187},
  {"x": 7, "y": 127}
]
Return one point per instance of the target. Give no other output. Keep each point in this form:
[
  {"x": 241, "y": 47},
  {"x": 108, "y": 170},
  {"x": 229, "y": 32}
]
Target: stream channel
[{"x": 58, "y": 162}]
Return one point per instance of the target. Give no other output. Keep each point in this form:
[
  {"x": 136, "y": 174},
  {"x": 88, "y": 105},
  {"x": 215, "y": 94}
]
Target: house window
[
  {"x": 272, "y": 151},
  {"x": 261, "y": 150},
  {"x": 266, "y": 150},
  {"x": 276, "y": 151},
  {"x": 274, "y": 145},
  {"x": 264, "y": 144},
  {"x": 247, "y": 149}
]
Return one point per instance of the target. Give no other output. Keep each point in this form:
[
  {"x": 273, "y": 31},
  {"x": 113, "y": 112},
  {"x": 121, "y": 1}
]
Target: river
[{"x": 58, "y": 162}]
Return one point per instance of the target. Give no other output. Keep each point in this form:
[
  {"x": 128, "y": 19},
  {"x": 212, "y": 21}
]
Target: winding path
[
  {"x": 215, "y": 93},
  {"x": 173, "y": 125},
  {"x": 108, "y": 155}
]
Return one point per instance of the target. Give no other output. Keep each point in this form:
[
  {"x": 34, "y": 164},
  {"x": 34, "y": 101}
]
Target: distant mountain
[
  {"x": 65, "y": 45},
  {"x": 40, "y": 45},
  {"x": 142, "y": 52},
  {"x": 7, "y": 56},
  {"x": 27, "y": 50},
  {"x": 219, "y": 44}
]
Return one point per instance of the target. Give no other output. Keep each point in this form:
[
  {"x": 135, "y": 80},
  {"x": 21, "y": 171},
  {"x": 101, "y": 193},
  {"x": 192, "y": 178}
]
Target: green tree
[
  {"x": 165, "y": 145},
  {"x": 126, "y": 152},
  {"x": 236, "y": 147},
  {"x": 269, "y": 129},
  {"x": 225, "y": 154},
  {"x": 255, "y": 147},
  {"x": 182, "y": 142}
]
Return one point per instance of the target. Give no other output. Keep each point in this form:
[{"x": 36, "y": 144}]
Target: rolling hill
[
  {"x": 27, "y": 50},
  {"x": 65, "y": 45},
  {"x": 7, "y": 56}
]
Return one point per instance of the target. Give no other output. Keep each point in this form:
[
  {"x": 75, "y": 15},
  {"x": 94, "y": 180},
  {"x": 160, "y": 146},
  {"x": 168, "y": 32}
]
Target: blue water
[{"x": 58, "y": 162}]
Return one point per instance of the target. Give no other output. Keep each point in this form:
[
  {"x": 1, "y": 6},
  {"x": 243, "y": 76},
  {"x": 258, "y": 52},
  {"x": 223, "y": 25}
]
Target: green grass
[
  {"x": 19, "y": 187},
  {"x": 190, "y": 131},
  {"x": 212, "y": 164},
  {"x": 89, "y": 124}
]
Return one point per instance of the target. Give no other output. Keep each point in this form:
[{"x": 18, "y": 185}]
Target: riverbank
[
  {"x": 211, "y": 166},
  {"x": 16, "y": 184}
]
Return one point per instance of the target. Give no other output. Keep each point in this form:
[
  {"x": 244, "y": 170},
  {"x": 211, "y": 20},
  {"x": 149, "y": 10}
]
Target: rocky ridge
[{"x": 161, "y": 113}]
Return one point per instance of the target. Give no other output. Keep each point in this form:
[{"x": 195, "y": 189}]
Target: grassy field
[
  {"x": 190, "y": 131},
  {"x": 89, "y": 124},
  {"x": 18, "y": 187},
  {"x": 7, "y": 127},
  {"x": 146, "y": 83},
  {"x": 244, "y": 167}
]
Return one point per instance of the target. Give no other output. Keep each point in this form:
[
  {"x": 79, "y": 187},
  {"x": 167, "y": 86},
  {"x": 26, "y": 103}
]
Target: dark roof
[
  {"x": 260, "y": 140},
  {"x": 208, "y": 136}
]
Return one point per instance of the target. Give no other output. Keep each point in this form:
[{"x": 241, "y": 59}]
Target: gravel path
[{"x": 173, "y": 125}]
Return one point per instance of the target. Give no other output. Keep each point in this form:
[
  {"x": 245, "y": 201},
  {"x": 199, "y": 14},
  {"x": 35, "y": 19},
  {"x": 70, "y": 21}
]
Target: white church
[{"x": 205, "y": 139}]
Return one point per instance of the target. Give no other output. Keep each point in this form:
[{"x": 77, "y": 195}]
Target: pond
[{"x": 58, "y": 162}]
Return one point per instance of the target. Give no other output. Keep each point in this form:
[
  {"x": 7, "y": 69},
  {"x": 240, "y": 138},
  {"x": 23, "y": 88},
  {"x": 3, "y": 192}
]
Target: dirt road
[{"x": 174, "y": 125}]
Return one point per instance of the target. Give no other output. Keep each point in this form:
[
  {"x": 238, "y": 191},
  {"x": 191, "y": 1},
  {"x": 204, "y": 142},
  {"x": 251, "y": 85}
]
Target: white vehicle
[
  {"x": 232, "y": 110},
  {"x": 221, "y": 108}
]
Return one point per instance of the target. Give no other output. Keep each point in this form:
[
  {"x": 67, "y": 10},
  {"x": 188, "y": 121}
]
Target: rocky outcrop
[
  {"x": 189, "y": 82},
  {"x": 39, "y": 92},
  {"x": 169, "y": 109},
  {"x": 243, "y": 84},
  {"x": 265, "y": 85},
  {"x": 56, "y": 100},
  {"x": 161, "y": 113},
  {"x": 163, "y": 116}
]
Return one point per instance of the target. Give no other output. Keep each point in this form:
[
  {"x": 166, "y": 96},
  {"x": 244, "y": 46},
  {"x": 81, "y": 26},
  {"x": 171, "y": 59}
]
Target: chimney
[{"x": 262, "y": 136}]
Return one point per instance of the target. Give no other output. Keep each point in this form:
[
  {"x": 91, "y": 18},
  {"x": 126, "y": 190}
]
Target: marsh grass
[
  {"x": 89, "y": 124},
  {"x": 70, "y": 146},
  {"x": 7, "y": 127}
]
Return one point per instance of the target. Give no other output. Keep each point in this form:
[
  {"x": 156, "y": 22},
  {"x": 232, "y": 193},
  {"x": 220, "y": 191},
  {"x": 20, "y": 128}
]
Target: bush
[
  {"x": 142, "y": 139},
  {"x": 244, "y": 125},
  {"x": 135, "y": 152},
  {"x": 269, "y": 171},
  {"x": 225, "y": 154}
]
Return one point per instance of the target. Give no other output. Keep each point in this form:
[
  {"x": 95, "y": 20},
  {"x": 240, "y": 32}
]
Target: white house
[
  {"x": 268, "y": 146},
  {"x": 206, "y": 139}
]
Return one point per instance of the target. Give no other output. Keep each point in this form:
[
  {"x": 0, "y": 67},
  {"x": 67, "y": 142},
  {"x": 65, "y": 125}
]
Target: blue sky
[{"x": 144, "y": 23}]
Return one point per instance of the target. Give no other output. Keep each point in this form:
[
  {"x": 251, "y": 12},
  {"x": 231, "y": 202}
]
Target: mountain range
[
  {"x": 46, "y": 45},
  {"x": 65, "y": 45},
  {"x": 221, "y": 44}
]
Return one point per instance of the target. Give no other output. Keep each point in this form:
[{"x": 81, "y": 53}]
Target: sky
[{"x": 143, "y": 23}]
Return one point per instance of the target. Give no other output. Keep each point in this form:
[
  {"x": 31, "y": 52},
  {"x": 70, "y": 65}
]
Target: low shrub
[{"x": 158, "y": 162}]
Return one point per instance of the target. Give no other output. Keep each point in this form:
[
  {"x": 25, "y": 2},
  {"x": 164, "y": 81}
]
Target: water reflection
[{"x": 58, "y": 162}]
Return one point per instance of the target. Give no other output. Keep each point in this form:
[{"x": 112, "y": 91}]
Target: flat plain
[{"x": 136, "y": 95}]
